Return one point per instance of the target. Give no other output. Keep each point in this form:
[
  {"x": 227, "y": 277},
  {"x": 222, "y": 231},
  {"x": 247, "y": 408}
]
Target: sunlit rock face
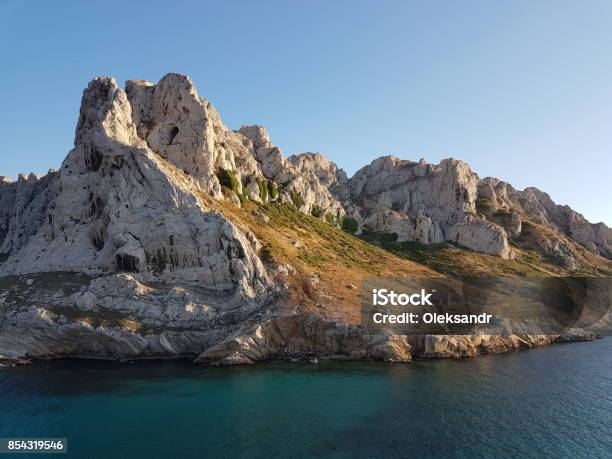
[
  {"x": 509, "y": 207},
  {"x": 117, "y": 206},
  {"x": 427, "y": 203},
  {"x": 306, "y": 180},
  {"x": 126, "y": 197},
  {"x": 118, "y": 254}
]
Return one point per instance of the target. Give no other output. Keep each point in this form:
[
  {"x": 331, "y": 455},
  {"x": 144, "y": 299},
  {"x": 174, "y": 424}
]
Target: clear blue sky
[{"x": 521, "y": 90}]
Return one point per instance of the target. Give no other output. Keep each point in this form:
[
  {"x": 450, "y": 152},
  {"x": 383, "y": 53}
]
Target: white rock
[{"x": 481, "y": 236}]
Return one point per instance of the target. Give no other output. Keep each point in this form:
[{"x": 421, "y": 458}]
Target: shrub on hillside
[{"x": 350, "y": 225}]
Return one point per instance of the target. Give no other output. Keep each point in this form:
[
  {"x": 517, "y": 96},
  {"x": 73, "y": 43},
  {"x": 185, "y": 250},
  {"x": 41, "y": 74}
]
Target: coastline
[{"x": 427, "y": 347}]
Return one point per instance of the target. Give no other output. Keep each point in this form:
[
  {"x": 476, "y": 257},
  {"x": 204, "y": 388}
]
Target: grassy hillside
[
  {"x": 455, "y": 261},
  {"x": 330, "y": 263}
]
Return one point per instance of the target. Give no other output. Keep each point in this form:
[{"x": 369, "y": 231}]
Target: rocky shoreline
[
  {"x": 293, "y": 337},
  {"x": 398, "y": 355}
]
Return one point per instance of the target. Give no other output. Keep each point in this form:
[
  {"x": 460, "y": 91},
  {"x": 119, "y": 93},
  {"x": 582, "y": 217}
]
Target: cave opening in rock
[{"x": 173, "y": 133}]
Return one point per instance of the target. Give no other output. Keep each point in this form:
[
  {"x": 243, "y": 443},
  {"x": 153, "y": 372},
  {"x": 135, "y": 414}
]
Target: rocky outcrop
[
  {"x": 116, "y": 316},
  {"x": 444, "y": 192},
  {"x": 119, "y": 254},
  {"x": 310, "y": 337},
  {"x": 186, "y": 130},
  {"x": 116, "y": 206},
  {"x": 550, "y": 243},
  {"x": 503, "y": 204},
  {"x": 392, "y": 196},
  {"x": 426, "y": 203},
  {"x": 304, "y": 180},
  {"x": 481, "y": 236},
  {"x": 596, "y": 238},
  {"x": 318, "y": 169},
  {"x": 459, "y": 346},
  {"x": 420, "y": 229},
  {"x": 306, "y": 336},
  {"x": 23, "y": 210}
]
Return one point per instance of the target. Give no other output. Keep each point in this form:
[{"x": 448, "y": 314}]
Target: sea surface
[{"x": 554, "y": 401}]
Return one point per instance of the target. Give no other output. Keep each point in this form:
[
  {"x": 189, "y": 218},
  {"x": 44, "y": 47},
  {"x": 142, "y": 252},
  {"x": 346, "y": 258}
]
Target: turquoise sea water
[{"x": 554, "y": 401}]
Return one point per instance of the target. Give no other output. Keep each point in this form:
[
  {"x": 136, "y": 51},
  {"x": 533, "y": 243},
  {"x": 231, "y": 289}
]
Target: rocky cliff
[{"x": 154, "y": 238}]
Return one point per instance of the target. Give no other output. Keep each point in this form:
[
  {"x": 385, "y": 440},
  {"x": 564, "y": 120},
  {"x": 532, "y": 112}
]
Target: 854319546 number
[{"x": 33, "y": 445}]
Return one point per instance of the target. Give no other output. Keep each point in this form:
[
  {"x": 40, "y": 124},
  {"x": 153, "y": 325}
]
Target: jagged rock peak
[
  {"x": 307, "y": 180},
  {"x": 104, "y": 110},
  {"x": 179, "y": 125},
  {"x": 258, "y": 135},
  {"x": 169, "y": 124},
  {"x": 325, "y": 171},
  {"x": 116, "y": 206},
  {"x": 502, "y": 203}
]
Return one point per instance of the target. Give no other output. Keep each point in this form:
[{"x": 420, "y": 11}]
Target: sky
[{"x": 520, "y": 90}]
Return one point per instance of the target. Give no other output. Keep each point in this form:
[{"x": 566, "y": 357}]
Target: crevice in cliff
[
  {"x": 93, "y": 159},
  {"x": 127, "y": 263}
]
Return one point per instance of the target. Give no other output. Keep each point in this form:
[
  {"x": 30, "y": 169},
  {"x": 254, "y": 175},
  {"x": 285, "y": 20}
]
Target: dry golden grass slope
[{"x": 330, "y": 263}]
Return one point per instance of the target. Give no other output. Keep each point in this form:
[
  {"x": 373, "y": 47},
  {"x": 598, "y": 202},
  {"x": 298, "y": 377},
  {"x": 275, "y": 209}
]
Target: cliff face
[
  {"x": 139, "y": 246},
  {"x": 114, "y": 206},
  {"x": 499, "y": 201},
  {"x": 425, "y": 202}
]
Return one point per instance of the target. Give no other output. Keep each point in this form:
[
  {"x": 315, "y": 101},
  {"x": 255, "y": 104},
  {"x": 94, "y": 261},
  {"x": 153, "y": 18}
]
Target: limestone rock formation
[
  {"x": 133, "y": 248},
  {"x": 426, "y": 203},
  {"x": 115, "y": 205},
  {"x": 319, "y": 169},
  {"x": 458, "y": 346},
  {"x": 301, "y": 178},
  {"x": 307, "y": 336},
  {"x": 187, "y": 130},
  {"x": 509, "y": 207},
  {"x": 482, "y": 236},
  {"x": 23, "y": 207}
]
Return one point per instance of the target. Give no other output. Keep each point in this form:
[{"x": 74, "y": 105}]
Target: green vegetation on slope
[
  {"x": 272, "y": 190},
  {"x": 455, "y": 261},
  {"x": 263, "y": 189},
  {"x": 227, "y": 178},
  {"x": 349, "y": 225},
  {"x": 297, "y": 199}
]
